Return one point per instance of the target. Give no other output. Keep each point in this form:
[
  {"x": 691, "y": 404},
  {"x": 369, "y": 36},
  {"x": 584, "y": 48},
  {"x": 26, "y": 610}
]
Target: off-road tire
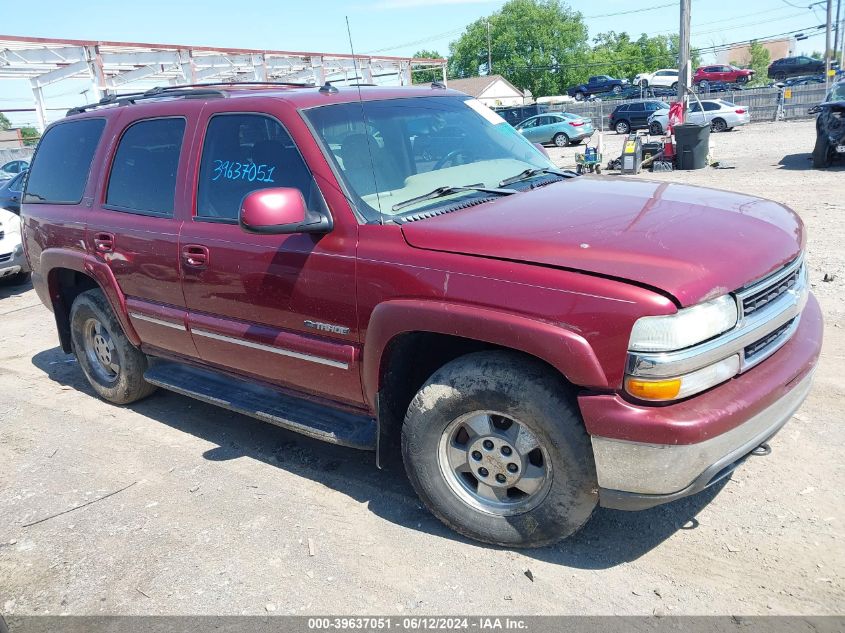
[
  {"x": 129, "y": 384},
  {"x": 524, "y": 389}
]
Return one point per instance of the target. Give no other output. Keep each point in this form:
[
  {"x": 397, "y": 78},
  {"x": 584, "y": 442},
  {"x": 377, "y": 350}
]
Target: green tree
[
  {"x": 5, "y": 124},
  {"x": 616, "y": 54},
  {"x": 30, "y": 136},
  {"x": 540, "y": 45},
  {"x": 759, "y": 63},
  {"x": 426, "y": 76}
]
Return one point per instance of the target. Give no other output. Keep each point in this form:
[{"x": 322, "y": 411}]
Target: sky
[{"x": 387, "y": 27}]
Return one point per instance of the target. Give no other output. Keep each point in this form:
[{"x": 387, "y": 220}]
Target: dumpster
[{"x": 692, "y": 143}]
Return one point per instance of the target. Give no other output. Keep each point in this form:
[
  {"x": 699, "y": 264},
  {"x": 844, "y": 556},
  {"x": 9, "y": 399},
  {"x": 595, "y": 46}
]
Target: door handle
[
  {"x": 195, "y": 255},
  {"x": 104, "y": 242}
]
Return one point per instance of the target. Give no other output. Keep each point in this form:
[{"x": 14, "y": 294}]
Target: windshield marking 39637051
[{"x": 395, "y": 154}]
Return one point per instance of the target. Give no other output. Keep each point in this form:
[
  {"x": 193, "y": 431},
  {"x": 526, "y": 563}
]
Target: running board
[{"x": 266, "y": 404}]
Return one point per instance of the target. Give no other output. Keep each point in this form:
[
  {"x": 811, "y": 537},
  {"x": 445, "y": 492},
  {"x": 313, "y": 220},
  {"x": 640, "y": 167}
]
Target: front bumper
[
  {"x": 648, "y": 455},
  {"x": 12, "y": 258}
]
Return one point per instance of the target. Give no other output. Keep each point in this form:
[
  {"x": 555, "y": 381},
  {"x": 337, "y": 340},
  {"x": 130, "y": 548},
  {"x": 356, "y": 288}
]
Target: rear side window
[
  {"x": 62, "y": 162},
  {"x": 143, "y": 173},
  {"x": 243, "y": 153},
  {"x": 709, "y": 106}
]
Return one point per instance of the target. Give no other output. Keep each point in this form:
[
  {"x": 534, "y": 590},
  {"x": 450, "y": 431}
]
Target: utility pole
[
  {"x": 837, "y": 28},
  {"x": 828, "y": 52},
  {"x": 489, "y": 51},
  {"x": 684, "y": 69}
]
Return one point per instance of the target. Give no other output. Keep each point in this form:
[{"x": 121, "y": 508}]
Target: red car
[
  {"x": 533, "y": 343},
  {"x": 705, "y": 75}
]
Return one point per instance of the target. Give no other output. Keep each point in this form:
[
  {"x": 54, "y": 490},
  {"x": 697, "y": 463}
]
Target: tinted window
[
  {"x": 143, "y": 174},
  {"x": 16, "y": 184},
  {"x": 621, "y": 109},
  {"x": 636, "y": 107},
  {"x": 62, "y": 162},
  {"x": 243, "y": 153},
  {"x": 709, "y": 106}
]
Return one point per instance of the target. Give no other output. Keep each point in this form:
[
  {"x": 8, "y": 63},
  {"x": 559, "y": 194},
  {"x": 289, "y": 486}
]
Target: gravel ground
[{"x": 226, "y": 515}]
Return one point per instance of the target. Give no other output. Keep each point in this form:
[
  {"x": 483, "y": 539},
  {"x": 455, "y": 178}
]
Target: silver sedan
[{"x": 720, "y": 114}]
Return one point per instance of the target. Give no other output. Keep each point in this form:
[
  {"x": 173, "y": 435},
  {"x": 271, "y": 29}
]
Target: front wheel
[
  {"x": 560, "y": 140},
  {"x": 822, "y": 152},
  {"x": 742, "y": 80},
  {"x": 495, "y": 447},
  {"x": 113, "y": 366},
  {"x": 580, "y": 96},
  {"x": 617, "y": 89},
  {"x": 674, "y": 86},
  {"x": 655, "y": 129},
  {"x": 704, "y": 85}
]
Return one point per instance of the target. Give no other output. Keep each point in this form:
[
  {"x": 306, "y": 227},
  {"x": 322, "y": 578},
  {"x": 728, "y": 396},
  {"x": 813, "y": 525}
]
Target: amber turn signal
[{"x": 653, "y": 389}]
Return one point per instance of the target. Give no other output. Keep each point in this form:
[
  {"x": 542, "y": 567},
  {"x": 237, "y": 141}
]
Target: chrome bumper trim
[{"x": 664, "y": 469}]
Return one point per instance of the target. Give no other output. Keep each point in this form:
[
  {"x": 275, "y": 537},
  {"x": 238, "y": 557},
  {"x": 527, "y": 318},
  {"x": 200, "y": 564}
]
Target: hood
[{"x": 690, "y": 242}]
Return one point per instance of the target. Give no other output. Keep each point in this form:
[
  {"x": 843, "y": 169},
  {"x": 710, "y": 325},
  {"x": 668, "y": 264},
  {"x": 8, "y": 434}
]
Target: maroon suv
[{"x": 392, "y": 267}]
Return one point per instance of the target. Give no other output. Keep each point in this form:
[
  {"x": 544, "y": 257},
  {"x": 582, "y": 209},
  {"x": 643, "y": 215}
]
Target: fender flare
[
  {"x": 563, "y": 349},
  {"x": 55, "y": 258}
]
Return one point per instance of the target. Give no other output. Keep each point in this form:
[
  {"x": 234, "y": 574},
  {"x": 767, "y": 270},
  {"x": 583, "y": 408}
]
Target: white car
[
  {"x": 720, "y": 114},
  {"x": 13, "y": 265},
  {"x": 663, "y": 78}
]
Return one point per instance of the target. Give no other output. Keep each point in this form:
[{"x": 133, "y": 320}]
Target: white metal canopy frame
[{"x": 111, "y": 66}]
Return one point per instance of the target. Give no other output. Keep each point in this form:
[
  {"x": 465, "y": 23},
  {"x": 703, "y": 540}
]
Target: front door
[{"x": 277, "y": 307}]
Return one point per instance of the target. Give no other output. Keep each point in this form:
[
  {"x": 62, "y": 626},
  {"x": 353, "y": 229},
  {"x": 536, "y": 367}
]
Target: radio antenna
[{"x": 364, "y": 119}]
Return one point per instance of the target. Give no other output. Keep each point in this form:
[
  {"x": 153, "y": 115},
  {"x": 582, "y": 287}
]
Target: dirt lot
[{"x": 226, "y": 515}]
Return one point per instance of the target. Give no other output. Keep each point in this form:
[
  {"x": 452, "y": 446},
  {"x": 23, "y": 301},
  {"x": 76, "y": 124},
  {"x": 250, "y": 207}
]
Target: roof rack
[
  {"x": 188, "y": 91},
  {"x": 438, "y": 85}
]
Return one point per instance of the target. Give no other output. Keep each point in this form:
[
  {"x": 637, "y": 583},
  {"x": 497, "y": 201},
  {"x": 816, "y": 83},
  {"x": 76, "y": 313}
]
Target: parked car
[
  {"x": 597, "y": 85},
  {"x": 830, "y": 127},
  {"x": 720, "y": 114},
  {"x": 705, "y": 75},
  {"x": 14, "y": 269},
  {"x": 635, "y": 115},
  {"x": 10, "y": 193},
  {"x": 663, "y": 78},
  {"x": 533, "y": 344},
  {"x": 786, "y": 67},
  {"x": 556, "y": 128},
  {"x": 13, "y": 168},
  {"x": 803, "y": 81}
]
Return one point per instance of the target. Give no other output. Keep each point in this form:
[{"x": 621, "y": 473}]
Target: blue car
[{"x": 556, "y": 128}]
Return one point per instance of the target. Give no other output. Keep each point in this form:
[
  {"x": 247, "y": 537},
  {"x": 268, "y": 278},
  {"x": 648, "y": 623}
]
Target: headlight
[{"x": 684, "y": 328}]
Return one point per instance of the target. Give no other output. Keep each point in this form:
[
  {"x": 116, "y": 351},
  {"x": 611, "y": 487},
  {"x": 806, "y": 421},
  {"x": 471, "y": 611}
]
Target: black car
[
  {"x": 10, "y": 193},
  {"x": 634, "y": 116},
  {"x": 830, "y": 127},
  {"x": 786, "y": 67}
]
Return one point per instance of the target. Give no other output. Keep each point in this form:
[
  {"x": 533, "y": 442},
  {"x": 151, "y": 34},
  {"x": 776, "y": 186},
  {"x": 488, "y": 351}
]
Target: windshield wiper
[
  {"x": 530, "y": 173},
  {"x": 448, "y": 190}
]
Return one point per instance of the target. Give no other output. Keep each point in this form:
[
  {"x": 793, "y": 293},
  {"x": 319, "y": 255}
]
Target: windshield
[
  {"x": 837, "y": 93},
  {"x": 393, "y": 150}
]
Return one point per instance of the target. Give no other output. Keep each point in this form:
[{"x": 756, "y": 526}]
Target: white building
[{"x": 492, "y": 90}]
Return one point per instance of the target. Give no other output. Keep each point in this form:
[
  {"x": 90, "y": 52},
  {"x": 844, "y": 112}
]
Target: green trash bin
[{"x": 692, "y": 144}]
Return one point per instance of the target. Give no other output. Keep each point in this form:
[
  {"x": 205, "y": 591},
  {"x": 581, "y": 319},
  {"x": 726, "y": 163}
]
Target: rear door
[
  {"x": 134, "y": 222},
  {"x": 280, "y": 308},
  {"x": 637, "y": 115}
]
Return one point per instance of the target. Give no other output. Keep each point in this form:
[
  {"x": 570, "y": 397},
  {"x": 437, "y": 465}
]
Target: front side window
[
  {"x": 243, "y": 153},
  {"x": 390, "y": 151},
  {"x": 143, "y": 174},
  {"x": 62, "y": 161}
]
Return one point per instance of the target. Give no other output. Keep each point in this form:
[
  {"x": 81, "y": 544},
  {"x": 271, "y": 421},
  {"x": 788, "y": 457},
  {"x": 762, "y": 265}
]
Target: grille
[
  {"x": 764, "y": 344},
  {"x": 5, "y": 258},
  {"x": 775, "y": 289},
  {"x": 2, "y": 234}
]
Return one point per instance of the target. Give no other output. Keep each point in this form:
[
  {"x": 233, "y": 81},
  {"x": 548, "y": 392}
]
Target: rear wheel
[
  {"x": 560, "y": 139},
  {"x": 780, "y": 77},
  {"x": 704, "y": 85},
  {"x": 496, "y": 449},
  {"x": 113, "y": 366},
  {"x": 622, "y": 127},
  {"x": 718, "y": 125}
]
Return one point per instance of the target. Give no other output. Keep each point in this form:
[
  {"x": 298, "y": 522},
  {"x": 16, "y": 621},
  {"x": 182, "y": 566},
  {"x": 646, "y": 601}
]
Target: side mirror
[
  {"x": 541, "y": 148},
  {"x": 280, "y": 211}
]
